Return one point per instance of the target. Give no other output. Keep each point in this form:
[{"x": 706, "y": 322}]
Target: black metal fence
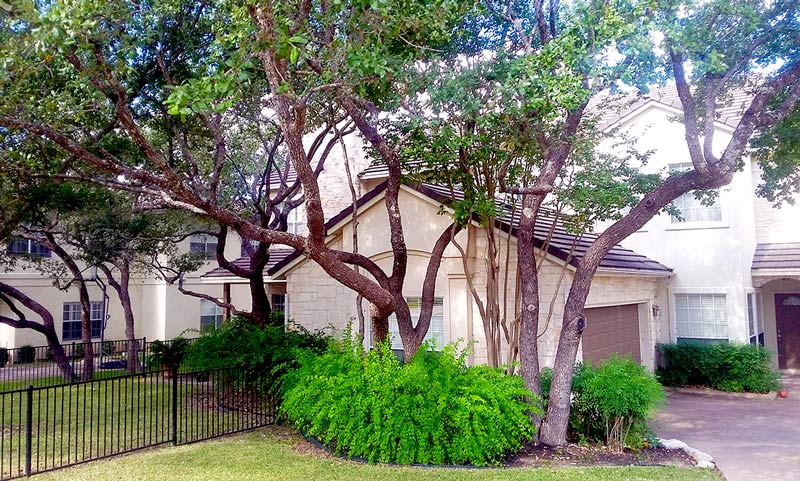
[
  {"x": 51, "y": 427},
  {"x": 35, "y": 365}
]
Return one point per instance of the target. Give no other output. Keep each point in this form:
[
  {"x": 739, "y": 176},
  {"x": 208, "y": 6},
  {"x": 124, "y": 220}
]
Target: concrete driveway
[{"x": 749, "y": 439}]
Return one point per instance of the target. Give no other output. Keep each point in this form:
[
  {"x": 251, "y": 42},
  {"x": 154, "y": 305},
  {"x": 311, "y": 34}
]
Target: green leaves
[{"x": 432, "y": 410}]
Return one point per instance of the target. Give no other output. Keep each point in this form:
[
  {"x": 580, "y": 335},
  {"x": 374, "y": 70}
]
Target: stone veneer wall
[{"x": 317, "y": 301}]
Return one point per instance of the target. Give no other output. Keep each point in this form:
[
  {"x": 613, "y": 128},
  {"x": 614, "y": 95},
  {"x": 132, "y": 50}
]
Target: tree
[
  {"x": 725, "y": 44},
  {"x": 119, "y": 238},
  {"x": 147, "y": 96},
  {"x": 544, "y": 66}
]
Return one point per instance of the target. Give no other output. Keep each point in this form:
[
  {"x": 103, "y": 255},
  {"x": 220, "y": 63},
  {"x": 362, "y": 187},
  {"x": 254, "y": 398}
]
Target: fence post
[
  {"x": 143, "y": 358},
  {"x": 74, "y": 372},
  {"x": 29, "y": 431},
  {"x": 174, "y": 370}
]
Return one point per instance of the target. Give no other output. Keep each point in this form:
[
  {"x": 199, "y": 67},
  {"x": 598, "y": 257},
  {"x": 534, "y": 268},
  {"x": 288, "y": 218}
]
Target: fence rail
[
  {"x": 35, "y": 365},
  {"x": 51, "y": 427}
]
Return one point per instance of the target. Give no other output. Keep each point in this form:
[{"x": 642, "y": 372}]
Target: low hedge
[
  {"x": 723, "y": 366},
  {"x": 432, "y": 410}
]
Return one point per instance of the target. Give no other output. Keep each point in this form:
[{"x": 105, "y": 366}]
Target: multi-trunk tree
[{"x": 148, "y": 96}]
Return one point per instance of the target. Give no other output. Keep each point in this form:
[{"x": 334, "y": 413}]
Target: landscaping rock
[{"x": 703, "y": 460}]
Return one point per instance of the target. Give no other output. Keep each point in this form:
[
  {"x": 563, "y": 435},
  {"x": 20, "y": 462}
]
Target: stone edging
[
  {"x": 706, "y": 391},
  {"x": 703, "y": 460}
]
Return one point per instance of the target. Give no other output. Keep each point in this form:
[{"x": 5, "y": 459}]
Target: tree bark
[
  {"x": 529, "y": 295},
  {"x": 380, "y": 324},
  {"x": 122, "y": 287},
  {"x": 47, "y": 328}
]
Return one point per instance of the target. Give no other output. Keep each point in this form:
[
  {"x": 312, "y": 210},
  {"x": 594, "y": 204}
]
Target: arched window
[{"x": 791, "y": 301}]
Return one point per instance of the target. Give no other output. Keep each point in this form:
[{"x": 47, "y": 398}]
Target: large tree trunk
[
  {"x": 9, "y": 294},
  {"x": 380, "y": 324},
  {"x": 134, "y": 365},
  {"x": 529, "y": 294},
  {"x": 261, "y": 309},
  {"x": 555, "y": 425}
]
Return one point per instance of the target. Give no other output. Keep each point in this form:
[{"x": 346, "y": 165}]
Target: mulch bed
[
  {"x": 594, "y": 455},
  {"x": 572, "y": 455}
]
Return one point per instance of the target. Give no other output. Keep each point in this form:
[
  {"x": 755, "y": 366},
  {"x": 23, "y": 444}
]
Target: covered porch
[{"x": 776, "y": 280}]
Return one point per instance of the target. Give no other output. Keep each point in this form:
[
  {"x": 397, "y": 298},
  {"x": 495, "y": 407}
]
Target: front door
[{"x": 787, "y": 320}]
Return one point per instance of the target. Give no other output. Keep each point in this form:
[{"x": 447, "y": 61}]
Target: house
[
  {"x": 736, "y": 262},
  {"x": 728, "y": 271},
  {"x": 733, "y": 275}
]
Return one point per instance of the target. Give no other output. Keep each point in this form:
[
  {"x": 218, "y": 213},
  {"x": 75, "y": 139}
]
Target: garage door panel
[{"x": 610, "y": 330}]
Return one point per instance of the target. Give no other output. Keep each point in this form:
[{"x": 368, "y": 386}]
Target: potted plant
[{"x": 168, "y": 354}]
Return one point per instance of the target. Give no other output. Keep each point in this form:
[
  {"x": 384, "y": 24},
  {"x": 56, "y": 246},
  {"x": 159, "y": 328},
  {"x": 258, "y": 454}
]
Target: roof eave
[{"x": 635, "y": 272}]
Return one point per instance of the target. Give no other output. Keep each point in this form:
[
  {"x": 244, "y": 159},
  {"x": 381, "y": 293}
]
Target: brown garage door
[{"x": 609, "y": 330}]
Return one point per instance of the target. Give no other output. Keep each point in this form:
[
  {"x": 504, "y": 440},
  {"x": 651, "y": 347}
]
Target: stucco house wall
[{"x": 161, "y": 312}]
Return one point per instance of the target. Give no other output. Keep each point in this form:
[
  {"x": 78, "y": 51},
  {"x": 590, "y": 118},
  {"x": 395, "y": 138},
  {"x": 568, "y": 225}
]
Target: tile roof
[
  {"x": 276, "y": 255},
  {"x": 561, "y": 241},
  {"x": 777, "y": 256}
]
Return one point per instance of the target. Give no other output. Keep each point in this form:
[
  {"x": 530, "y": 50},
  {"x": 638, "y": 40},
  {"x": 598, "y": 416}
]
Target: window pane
[
  {"x": 210, "y": 314},
  {"x": 278, "y": 302},
  {"x": 435, "y": 330},
  {"x": 705, "y": 316},
  {"x": 691, "y": 209}
]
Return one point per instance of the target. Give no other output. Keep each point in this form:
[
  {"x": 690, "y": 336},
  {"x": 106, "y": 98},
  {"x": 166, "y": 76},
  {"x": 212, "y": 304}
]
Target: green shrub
[
  {"x": 723, "y": 366},
  {"x": 617, "y": 398},
  {"x": 3, "y": 357},
  {"x": 255, "y": 351},
  {"x": 430, "y": 410},
  {"x": 610, "y": 403},
  {"x": 26, "y": 354},
  {"x": 167, "y": 354},
  {"x": 276, "y": 318}
]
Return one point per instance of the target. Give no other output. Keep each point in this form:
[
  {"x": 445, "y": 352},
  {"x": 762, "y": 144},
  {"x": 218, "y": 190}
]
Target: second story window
[
  {"x": 295, "y": 221},
  {"x": 692, "y": 209},
  {"x": 26, "y": 247},
  {"x": 204, "y": 245}
]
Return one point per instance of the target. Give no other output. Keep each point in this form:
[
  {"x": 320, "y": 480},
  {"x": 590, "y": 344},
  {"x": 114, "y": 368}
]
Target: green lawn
[
  {"x": 73, "y": 423},
  {"x": 273, "y": 454},
  {"x": 56, "y": 380}
]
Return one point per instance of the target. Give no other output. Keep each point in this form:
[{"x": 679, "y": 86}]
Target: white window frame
[
  {"x": 729, "y": 310},
  {"x": 755, "y": 317},
  {"x": 436, "y": 332},
  {"x": 205, "y": 244},
  {"x": 295, "y": 220},
  {"x": 218, "y": 315},
  {"x": 676, "y": 224},
  {"x": 32, "y": 248},
  {"x": 73, "y": 311}
]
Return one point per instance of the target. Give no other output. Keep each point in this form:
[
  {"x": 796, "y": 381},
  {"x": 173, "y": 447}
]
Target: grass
[
  {"x": 56, "y": 380},
  {"x": 273, "y": 454},
  {"x": 74, "y": 423}
]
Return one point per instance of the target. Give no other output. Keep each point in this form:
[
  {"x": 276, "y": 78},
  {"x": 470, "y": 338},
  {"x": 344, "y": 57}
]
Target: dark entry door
[{"x": 787, "y": 320}]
